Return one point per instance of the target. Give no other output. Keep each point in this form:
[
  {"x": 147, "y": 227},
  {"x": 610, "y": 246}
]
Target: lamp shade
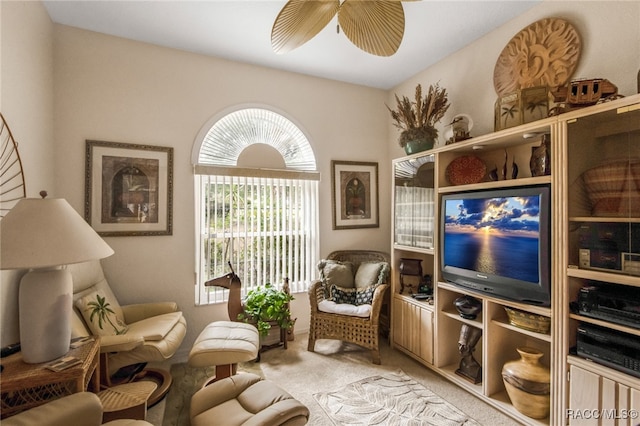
[{"x": 42, "y": 233}]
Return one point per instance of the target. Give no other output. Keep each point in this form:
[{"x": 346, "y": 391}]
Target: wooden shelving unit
[{"x": 579, "y": 140}]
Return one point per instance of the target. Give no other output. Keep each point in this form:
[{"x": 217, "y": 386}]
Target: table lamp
[{"x": 44, "y": 235}]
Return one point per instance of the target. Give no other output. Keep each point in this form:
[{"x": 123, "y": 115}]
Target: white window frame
[{"x": 289, "y": 238}]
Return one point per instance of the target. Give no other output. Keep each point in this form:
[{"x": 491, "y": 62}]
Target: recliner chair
[{"x": 130, "y": 335}]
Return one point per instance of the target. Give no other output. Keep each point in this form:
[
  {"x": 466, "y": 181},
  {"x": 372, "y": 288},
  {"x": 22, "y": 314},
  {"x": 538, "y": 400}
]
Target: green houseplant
[
  {"x": 416, "y": 119},
  {"x": 266, "y": 304}
]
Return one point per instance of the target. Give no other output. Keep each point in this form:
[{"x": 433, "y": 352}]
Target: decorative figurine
[
  {"x": 468, "y": 307},
  {"x": 470, "y": 369},
  {"x": 425, "y": 286}
]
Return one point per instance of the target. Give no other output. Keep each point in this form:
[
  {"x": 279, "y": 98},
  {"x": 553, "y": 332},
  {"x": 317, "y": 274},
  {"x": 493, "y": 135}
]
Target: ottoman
[
  {"x": 225, "y": 344},
  {"x": 243, "y": 400},
  {"x": 128, "y": 401}
]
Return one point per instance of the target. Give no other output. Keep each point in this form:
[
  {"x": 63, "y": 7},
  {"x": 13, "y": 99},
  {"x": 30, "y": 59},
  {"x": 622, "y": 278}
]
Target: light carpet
[
  {"x": 186, "y": 381},
  {"x": 389, "y": 399},
  {"x": 332, "y": 366}
]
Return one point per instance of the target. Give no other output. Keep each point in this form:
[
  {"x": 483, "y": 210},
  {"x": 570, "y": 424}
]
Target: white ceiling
[{"x": 241, "y": 31}]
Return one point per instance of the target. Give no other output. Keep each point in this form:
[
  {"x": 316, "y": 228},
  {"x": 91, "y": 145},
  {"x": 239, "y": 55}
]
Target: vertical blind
[{"x": 266, "y": 227}]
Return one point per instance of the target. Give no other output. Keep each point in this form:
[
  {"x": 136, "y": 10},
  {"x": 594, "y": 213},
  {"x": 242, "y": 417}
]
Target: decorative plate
[
  {"x": 465, "y": 170},
  {"x": 543, "y": 54}
]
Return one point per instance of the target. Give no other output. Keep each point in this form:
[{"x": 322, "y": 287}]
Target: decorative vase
[
  {"x": 418, "y": 145},
  {"x": 468, "y": 307},
  {"x": 540, "y": 162},
  {"x": 528, "y": 383}
]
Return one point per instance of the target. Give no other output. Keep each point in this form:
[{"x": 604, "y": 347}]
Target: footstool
[
  {"x": 245, "y": 399},
  {"x": 225, "y": 344},
  {"x": 128, "y": 401}
]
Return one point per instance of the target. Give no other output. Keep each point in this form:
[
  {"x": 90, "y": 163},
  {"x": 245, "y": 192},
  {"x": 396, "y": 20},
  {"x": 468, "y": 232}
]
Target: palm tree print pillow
[{"x": 99, "y": 314}]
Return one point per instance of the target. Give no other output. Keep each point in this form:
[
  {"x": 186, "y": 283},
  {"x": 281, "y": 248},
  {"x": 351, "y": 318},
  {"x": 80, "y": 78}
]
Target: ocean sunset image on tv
[
  {"x": 487, "y": 234},
  {"x": 497, "y": 242}
]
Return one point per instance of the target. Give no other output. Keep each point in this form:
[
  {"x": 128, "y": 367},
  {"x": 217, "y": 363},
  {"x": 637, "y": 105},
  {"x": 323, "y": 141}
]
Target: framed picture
[
  {"x": 354, "y": 189},
  {"x": 128, "y": 189}
]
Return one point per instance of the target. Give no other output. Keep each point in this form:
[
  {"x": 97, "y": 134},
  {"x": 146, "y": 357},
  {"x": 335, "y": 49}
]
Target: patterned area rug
[
  {"x": 186, "y": 381},
  {"x": 389, "y": 399}
]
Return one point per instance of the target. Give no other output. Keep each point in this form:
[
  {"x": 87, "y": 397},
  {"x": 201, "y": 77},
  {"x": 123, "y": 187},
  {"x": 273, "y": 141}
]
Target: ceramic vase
[
  {"x": 528, "y": 383},
  {"x": 540, "y": 162}
]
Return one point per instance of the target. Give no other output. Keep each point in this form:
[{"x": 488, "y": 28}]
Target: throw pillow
[
  {"x": 353, "y": 296},
  {"x": 97, "y": 311},
  {"x": 370, "y": 273},
  {"x": 333, "y": 272}
]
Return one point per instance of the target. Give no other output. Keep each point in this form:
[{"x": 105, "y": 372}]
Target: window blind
[{"x": 266, "y": 227}]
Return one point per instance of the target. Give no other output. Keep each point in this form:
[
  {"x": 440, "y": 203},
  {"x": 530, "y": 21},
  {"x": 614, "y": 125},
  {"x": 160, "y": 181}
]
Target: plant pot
[
  {"x": 528, "y": 383},
  {"x": 418, "y": 145}
]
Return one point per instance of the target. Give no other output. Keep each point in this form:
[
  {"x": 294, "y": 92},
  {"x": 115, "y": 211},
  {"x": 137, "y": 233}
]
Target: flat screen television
[{"x": 498, "y": 242}]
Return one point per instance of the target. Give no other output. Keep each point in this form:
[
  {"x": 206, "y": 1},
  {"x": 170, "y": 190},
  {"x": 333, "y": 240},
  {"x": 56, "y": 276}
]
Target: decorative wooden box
[{"x": 521, "y": 106}]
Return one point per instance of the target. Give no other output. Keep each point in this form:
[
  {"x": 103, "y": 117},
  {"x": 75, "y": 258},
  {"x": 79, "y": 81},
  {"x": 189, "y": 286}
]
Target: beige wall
[
  {"x": 112, "y": 89},
  {"x": 26, "y": 102}
]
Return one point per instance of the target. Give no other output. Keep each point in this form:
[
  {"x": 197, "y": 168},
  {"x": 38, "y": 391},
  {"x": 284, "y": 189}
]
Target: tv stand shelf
[
  {"x": 580, "y": 141},
  {"x": 540, "y": 180}
]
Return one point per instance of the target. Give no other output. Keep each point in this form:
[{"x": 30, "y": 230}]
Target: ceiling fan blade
[
  {"x": 377, "y": 27},
  {"x": 299, "y": 21}
]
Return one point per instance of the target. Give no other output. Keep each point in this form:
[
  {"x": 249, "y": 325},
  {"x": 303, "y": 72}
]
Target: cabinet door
[
  {"x": 598, "y": 400},
  {"x": 398, "y": 323},
  {"x": 414, "y": 202},
  {"x": 425, "y": 342},
  {"x": 584, "y": 396},
  {"x": 413, "y": 329}
]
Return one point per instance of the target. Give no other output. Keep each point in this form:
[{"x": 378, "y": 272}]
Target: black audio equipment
[
  {"x": 620, "y": 351},
  {"x": 617, "y": 304}
]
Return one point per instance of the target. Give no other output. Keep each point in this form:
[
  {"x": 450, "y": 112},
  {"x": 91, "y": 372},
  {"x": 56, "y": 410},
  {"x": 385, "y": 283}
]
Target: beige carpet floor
[{"x": 336, "y": 364}]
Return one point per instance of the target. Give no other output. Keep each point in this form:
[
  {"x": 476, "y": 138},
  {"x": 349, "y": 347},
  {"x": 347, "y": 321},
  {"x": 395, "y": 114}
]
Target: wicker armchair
[{"x": 358, "y": 330}]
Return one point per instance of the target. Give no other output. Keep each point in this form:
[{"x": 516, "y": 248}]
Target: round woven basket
[{"x": 614, "y": 188}]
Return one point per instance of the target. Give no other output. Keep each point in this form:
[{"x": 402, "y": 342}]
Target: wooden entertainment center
[{"x": 586, "y": 208}]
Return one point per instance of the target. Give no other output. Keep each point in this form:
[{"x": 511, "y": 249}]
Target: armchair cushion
[
  {"x": 155, "y": 328},
  {"x": 370, "y": 273},
  {"x": 333, "y": 272},
  {"x": 139, "y": 311},
  {"x": 353, "y": 296},
  {"x": 102, "y": 313},
  {"x": 331, "y": 307}
]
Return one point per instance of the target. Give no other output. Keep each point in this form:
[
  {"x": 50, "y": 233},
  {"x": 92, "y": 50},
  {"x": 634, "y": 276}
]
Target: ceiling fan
[{"x": 377, "y": 27}]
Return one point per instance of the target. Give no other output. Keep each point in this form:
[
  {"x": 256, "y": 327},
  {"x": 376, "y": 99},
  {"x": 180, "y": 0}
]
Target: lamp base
[{"x": 45, "y": 302}]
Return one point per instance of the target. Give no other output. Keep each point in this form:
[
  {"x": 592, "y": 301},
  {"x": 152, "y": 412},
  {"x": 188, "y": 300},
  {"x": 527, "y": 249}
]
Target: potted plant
[
  {"x": 267, "y": 304},
  {"x": 416, "y": 119}
]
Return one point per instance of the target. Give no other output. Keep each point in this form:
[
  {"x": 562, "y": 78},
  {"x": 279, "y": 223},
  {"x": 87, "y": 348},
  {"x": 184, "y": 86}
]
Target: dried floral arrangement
[{"x": 416, "y": 119}]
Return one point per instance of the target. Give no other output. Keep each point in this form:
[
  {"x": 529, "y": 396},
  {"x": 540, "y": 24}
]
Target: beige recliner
[
  {"x": 129, "y": 334},
  {"x": 78, "y": 409},
  {"x": 246, "y": 400}
]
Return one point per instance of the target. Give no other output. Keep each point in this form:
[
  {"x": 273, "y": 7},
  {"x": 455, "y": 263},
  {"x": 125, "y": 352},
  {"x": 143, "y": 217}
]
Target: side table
[{"x": 24, "y": 386}]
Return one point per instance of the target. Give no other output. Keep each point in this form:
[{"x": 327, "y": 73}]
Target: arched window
[{"x": 257, "y": 202}]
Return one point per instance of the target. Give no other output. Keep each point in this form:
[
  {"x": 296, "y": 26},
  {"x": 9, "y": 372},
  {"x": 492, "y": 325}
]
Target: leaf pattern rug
[{"x": 389, "y": 399}]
